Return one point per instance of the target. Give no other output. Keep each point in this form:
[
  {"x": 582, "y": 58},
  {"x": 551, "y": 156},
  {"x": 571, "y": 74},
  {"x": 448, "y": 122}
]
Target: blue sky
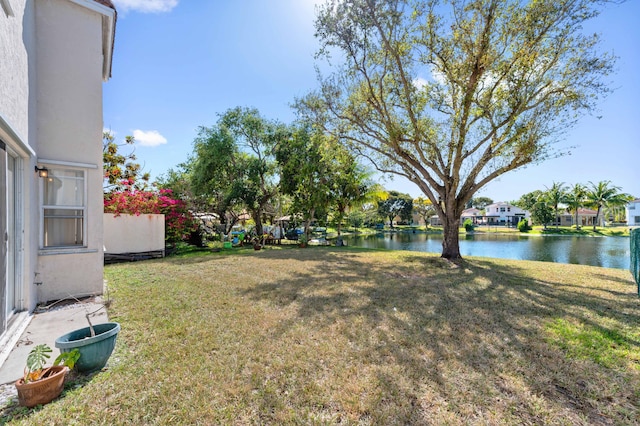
[{"x": 178, "y": 64}]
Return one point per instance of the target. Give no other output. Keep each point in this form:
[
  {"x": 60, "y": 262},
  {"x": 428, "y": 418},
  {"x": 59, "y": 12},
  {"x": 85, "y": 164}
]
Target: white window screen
[{"x": 64, "y": 208}]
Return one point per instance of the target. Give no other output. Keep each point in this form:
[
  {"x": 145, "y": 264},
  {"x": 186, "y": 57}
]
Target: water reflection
[{"x": 608, "y": 252}]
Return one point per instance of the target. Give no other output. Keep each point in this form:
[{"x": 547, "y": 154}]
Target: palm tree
[
  {"x": 574, "y": 199},
  {"x": 554, "y": 196},
  {"x": 603, "y": 194}
]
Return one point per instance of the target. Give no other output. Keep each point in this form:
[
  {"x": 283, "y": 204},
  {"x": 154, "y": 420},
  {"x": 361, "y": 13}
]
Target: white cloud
[
  {"x": 438, "y": 76},
  {"x": 149, "y": 137},
  {"x": 419, "y": 82},
  {"x": 146, "y": 6}
]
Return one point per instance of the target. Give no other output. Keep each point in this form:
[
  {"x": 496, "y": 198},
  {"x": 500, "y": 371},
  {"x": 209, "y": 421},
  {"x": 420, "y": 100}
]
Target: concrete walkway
[{"x": 45, "y": 326}]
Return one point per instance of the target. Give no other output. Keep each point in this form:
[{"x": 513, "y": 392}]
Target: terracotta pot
[{"x": 44, "y": 390}]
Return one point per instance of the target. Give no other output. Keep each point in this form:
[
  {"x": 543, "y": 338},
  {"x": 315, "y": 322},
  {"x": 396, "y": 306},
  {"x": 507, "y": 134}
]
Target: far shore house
[
  {"x": 502, "y": 213},
  {"x": 495, "y": 214},
  {"x": 474, "y": 214},
  {"x": 632, "y": 211},
  {"x": 55, "y": 56},
  {"x": 586, "y": 217}
]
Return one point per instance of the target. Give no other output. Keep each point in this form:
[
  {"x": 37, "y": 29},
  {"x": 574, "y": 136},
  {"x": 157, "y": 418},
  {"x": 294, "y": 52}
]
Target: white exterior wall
[
  {"x": 69, "y": 65},
  {"x": 493, "y": 211},
  {"x": 133, "y": 234},
  {"x": 17, "y": 100},
  {"x": 14, "y": 84},
  {"x": 632, "y": 211}
]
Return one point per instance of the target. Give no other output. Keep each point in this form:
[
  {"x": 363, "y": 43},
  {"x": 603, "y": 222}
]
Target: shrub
[
  {"x": 179, "y": 222},
  {"x": 468, "y": 225},
  {"x": 523, "y": 225}
]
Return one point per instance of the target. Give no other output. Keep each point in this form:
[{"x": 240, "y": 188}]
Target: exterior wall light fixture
[{"x": 43, "y": 172}]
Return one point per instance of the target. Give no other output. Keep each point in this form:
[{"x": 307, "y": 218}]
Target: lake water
[{"x": 607, "y": 252}]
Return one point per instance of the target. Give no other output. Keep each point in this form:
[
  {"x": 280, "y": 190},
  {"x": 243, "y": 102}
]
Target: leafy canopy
[{"x": 453, "y": 94}]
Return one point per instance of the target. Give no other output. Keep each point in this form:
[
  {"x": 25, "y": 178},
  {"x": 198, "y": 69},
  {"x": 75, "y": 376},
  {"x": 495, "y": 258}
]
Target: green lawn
[
  {"x": 618, "y": 231},
  {"x": 345, "y": 336}
]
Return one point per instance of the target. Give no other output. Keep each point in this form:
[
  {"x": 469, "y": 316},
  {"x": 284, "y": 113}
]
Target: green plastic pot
[{"x": 94, "y": 351}]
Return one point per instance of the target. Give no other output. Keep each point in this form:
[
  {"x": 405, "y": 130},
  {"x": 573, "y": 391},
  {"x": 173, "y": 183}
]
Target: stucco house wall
[
  {"x": 69, "y": 116},
  {"x": 632, "y": 211},
  {"x": 14, "y": 84},
  {"x": 50, "y": 116},
  {"x": 501, "y": 213},
  {"x": 474, "y": 214},
  {"x": 18, "y": 194},
  {"x": 586, "y": 217}
]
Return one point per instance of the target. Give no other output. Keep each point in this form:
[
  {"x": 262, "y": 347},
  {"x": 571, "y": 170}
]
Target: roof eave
[{"x": 109, "y": 16}]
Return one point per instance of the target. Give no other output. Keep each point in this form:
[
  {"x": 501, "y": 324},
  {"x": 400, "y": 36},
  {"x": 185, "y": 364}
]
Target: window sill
[{"x": 65, "y": 250}]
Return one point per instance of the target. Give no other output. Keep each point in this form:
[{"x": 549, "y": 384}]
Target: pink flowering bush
[{"x": 179, "y": 221}]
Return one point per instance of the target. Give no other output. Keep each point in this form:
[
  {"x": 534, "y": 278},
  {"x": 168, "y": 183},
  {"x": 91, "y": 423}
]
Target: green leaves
[
  {"x": 37, "y": 359},
  {"x": 453, "y": 94},
  {"x": 68, "y": 359},
  {"x": 120, "y": 169},
  {"x": 233, "y": 166}
]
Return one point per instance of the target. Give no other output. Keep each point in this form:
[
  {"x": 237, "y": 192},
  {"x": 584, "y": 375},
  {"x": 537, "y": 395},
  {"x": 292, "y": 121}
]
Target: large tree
[
  {"x": 349, "y": 185},
  {"x": 453, "y": 94},
  {"x": 536, "y": 203},
  {"x": 217, "y": 175},
  {"x": 396, "y": 204},
  {"x": 255, "y": 137},
  {"x": 480, "y": 202},
  {"x": 233, "y": 166},
  {"x": 305, "y": 172}
]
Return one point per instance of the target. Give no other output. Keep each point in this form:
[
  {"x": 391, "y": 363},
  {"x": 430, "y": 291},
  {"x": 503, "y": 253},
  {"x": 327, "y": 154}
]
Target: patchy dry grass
[{"x": 337, "y": 336}]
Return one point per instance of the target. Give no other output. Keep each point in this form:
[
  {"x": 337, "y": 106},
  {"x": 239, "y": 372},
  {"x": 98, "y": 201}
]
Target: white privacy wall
[{"x": 133, "y": 234}]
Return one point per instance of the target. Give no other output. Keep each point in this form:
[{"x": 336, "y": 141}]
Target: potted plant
[
  {"x": 302, "y": 240},
  {"x": 95, "y": 344},
  {"x": 40, "y": 385},
  {"x": 257, "y": 243}
]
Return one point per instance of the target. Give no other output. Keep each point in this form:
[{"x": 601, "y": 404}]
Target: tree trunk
[
  {"x": 595, "y": 221},
  {"x": 258, "y": 221},
  {"x": 307, "y": 224},
  {"x": 450, "y": 238}
]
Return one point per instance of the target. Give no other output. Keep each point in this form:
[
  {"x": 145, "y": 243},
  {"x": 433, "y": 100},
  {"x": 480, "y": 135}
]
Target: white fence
[{"x": 130, "y": 234}]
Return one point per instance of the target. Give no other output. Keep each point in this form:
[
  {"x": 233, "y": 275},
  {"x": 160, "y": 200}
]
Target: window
[
  {"x": 64, "y": 208},
  {"x": 502, "y": 209}
]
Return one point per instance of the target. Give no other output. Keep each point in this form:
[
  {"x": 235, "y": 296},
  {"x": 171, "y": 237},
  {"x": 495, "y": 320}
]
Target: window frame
[{"x": 83, "y": 208}]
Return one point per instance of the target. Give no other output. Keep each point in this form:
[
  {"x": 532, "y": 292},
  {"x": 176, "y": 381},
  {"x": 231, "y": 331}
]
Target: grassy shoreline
[
  {"x": 330, "y": 335},
  {"x": 620, "y": 231}
]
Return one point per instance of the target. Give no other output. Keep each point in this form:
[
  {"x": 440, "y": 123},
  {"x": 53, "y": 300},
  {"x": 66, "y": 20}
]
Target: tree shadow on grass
[{"x": 467, "y": 340}]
